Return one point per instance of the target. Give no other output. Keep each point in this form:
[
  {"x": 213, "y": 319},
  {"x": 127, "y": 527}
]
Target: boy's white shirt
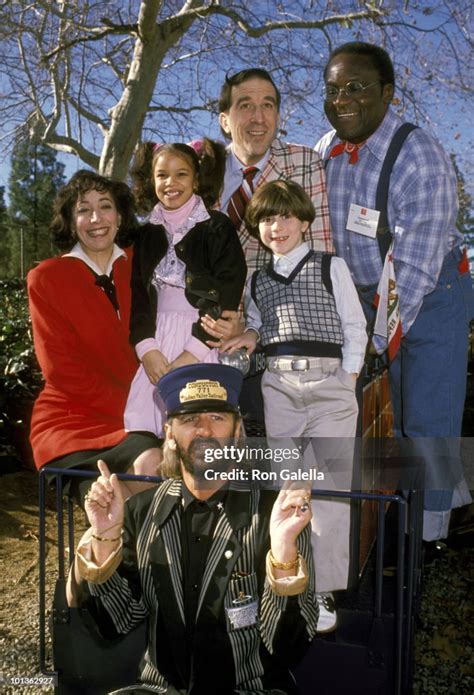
[{"x": 347, "y": 305}]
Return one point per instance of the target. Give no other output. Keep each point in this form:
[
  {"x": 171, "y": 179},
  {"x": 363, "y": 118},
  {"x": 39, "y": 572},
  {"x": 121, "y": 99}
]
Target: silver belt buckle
[{"x": 300, "y": 365}]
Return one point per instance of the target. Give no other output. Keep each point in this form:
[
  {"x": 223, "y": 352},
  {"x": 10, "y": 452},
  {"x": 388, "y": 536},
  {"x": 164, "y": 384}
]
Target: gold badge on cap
[{"x": 202, "y": 389}]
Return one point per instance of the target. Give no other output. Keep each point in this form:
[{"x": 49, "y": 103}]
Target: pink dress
[{"x": 175, "y": 316}]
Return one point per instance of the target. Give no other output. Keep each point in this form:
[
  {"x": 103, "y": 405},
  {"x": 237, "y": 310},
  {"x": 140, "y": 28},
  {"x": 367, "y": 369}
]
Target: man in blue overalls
[{"x": 410, "y": 233}]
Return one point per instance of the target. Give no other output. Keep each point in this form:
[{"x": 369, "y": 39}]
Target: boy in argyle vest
[{"x": 304, "y": 310}]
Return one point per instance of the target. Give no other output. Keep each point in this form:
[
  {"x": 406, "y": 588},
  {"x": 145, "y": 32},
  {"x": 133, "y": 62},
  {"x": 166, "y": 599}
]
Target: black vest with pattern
[{"x": 299, "y": 314}]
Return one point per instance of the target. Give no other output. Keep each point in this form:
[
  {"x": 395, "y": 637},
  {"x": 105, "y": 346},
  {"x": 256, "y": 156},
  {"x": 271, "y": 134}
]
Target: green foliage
[
  {"x": 20, "y": 376},
  {"x": 5, "y": 242},
  {"x": 465, "y": 220},
  {"x": 466, "y": 213},
  {"x": 34, "y": 181}
]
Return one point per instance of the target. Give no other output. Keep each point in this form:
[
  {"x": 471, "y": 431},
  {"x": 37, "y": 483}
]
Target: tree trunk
[{"x": 152, "y": 44}]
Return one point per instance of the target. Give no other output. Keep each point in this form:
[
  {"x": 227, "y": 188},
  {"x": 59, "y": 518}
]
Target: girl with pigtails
[{"x": 188, "y": 263}]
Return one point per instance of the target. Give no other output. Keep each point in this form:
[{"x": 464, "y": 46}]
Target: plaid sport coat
[{"x": 302, "y": 165}]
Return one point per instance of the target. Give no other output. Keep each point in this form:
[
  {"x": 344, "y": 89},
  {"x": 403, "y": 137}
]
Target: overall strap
[
  {"x": 329, "y": 147},
  {"x": 384, "y": 235}
]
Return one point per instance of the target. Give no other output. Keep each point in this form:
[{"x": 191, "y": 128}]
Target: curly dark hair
[
  {"x": 83, "y": 181},
  {"x": 208, "y": 163}
]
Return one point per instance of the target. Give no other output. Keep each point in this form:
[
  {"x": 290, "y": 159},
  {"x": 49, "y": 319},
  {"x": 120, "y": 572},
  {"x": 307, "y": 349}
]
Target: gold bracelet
[
  {"x": 99, "y": 538},
  {"x": 283, "y": 565}
]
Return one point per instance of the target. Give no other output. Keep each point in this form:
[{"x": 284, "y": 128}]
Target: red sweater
[{"x": 83, "y": 351}]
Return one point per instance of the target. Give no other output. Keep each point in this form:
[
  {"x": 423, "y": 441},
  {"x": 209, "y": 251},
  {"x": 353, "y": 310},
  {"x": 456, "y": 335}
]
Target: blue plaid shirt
[{"x": 422, "y": 210}]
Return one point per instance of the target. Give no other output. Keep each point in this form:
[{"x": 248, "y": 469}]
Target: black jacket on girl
[{"x": 215, "y": 272}]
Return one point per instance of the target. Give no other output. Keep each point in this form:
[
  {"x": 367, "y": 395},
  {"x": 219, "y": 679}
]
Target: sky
[
  {"x": 451, "y": 127},
  {"x": 450, "y": 120}
]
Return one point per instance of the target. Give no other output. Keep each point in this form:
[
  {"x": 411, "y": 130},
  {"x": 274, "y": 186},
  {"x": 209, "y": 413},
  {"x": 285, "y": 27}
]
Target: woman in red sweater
[{"x": 80, "y": 310}]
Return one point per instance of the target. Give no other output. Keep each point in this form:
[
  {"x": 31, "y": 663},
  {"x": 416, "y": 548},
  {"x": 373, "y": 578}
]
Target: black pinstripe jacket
[{"x": 149, "y": 584}]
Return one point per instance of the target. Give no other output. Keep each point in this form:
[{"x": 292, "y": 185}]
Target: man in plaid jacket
[{"x": 249, "y": 106}]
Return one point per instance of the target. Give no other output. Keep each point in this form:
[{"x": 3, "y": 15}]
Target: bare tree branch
[
  {"x": 180, "y": 109},
  {"x": 89, "y": 115},
  {"x": 86, "y": 83},
  {"x": 287, "y": 24},
  {"x": 95, "y": 34},
  {"x": 188, "y": 12},
  {"x": 71, "y": 146}
]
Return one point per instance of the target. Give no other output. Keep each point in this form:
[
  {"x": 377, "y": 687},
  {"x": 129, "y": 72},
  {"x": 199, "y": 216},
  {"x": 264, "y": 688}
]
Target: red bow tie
[{"x": 349, "y": 147}]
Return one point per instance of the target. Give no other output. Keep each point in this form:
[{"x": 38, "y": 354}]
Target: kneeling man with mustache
[{"x": 224, "y": 576}]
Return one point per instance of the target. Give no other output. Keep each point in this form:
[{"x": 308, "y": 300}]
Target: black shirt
[{"x": 198, "y": 521}]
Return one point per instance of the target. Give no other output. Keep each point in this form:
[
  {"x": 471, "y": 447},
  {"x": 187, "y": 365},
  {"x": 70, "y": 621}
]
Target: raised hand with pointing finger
[{"x": 104, "y": 505}]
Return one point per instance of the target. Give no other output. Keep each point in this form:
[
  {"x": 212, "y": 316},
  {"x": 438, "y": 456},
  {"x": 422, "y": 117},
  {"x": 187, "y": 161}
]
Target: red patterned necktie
[
  {"x": 349, "y": 147},
  {"x": 240, "y": 198}
]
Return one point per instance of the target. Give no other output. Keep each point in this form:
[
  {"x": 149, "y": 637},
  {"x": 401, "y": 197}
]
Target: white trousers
[{"x": 318, "y": 403}]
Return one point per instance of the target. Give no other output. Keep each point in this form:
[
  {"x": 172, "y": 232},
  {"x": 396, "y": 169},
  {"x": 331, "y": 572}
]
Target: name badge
[
  {"x": 245, "y": 612},
  {"x": 363, "y": 220}
]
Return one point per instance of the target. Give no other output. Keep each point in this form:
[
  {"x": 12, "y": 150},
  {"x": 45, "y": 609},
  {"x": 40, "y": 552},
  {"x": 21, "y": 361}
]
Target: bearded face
[
  {"x": 195, "y": 436},
  {"x": 198, "y": 456}
]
